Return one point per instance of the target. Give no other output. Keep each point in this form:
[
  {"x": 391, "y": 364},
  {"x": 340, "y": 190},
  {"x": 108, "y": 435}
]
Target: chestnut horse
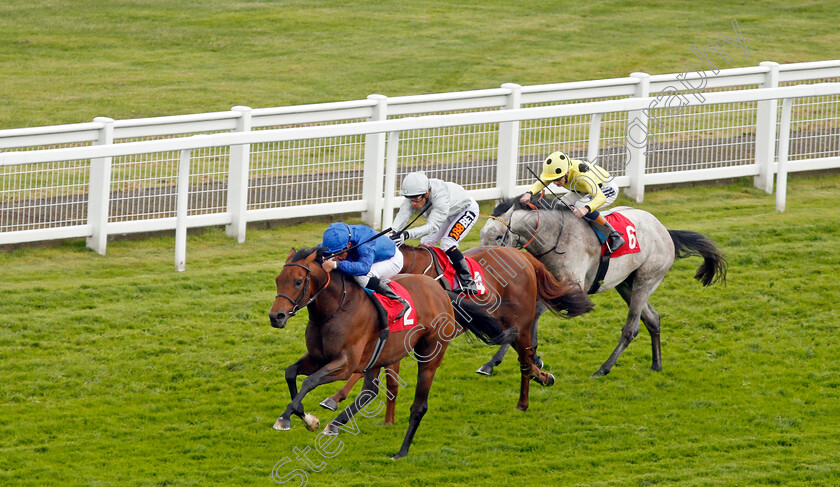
[
  {"x": 516, "y": 281},
  {"x": 343, "y": 329}
]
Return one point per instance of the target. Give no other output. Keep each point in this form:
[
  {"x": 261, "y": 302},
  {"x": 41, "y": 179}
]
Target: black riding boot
[
  {"x": 462, "y": 269},
  {"x": 614, "y": 238}
]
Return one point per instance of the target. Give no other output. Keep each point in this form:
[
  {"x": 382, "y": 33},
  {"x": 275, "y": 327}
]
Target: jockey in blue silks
[{"x": 371, "y": 264}]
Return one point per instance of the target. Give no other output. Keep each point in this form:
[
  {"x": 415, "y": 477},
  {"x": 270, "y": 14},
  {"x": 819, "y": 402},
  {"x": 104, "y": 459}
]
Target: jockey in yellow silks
[{"x": 590, "y": 187}]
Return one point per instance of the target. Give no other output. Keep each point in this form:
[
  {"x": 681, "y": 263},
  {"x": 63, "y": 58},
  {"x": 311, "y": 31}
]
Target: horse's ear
[
  {"x": 311, "y": 257},
  {"x": 291, "y": 253}
]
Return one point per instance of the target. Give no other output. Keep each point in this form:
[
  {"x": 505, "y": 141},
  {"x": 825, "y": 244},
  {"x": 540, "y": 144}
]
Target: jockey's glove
[{"x": 399, "y": 237}]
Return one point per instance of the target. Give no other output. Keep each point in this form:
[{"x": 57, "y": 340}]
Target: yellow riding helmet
[{"x": 555, "y": 166}]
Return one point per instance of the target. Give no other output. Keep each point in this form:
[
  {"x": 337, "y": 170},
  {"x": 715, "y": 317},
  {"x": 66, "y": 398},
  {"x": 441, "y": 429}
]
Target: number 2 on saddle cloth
[{"x": 393, "y": 307}]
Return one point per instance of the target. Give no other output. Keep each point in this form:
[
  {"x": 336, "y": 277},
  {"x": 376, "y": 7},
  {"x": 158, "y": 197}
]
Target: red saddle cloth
[
  {"x": 628, "y": 230},
  {"x": 393, "y": 307},
  {"x": 449, "y": 271}
]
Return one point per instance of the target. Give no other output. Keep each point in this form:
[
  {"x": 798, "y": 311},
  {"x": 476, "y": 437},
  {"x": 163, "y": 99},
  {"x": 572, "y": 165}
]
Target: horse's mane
[
  {"x": 541, "y": 203},
  {"x": 304, "y": 253}
]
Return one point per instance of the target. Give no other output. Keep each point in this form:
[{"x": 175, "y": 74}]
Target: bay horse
[
  {"x": 343, "y": 328},
  {"x": 520, "y": 288},
  {"x": 570, "y": 249}
]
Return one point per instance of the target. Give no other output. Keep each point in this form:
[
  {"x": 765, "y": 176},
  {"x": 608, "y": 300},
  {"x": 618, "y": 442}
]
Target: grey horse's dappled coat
[{"x": 570, "y": 250}]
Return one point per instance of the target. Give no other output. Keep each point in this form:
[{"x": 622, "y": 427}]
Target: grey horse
[{"x": 571, "y": 250}]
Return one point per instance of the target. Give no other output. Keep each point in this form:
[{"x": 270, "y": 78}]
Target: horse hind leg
[
  {"x": 496, "y": 359},
  {"x": 425, "y": 376},
  {"x": 651, "y": 320},
  {"x": 635, "y": 294}
]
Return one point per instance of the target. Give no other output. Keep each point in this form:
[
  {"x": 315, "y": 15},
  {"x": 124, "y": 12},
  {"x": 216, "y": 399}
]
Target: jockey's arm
[
  {"x": 583, "y": 183},
  {"x": 536, "y": 188},
  {"x": 437, "y": 215},
  {"x": 362, "y": 266},
  {"x": 403, "y": 215}
]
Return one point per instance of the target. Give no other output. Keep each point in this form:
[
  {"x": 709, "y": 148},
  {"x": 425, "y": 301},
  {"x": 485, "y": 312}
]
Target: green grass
[
  {"x": 116, "y": 370},
  {"x": 70, "y": 61}
]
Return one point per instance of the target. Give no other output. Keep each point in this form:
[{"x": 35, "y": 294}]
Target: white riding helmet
[{"x": 415, "y": 184}]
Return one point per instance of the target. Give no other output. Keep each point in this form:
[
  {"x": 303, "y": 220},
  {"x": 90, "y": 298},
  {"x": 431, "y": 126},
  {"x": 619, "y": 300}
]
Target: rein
[
  {"x": 536, "y": 231},
  {"x": 296, "y": 306}
]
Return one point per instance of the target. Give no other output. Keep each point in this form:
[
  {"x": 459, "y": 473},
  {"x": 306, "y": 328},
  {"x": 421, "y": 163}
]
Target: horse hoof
[
  {"x": 283, "y": 424},
  {"x": 398, "y": 456},
  {"x": 312, "y": 423},
  {"x": 600, "y": 373},
  {"x": 331, "y": 430},
  {"x": 329, "y": 403},
  {"x": 550, "y": 381},
  {"x": 522, "y": 407},
  {"x": 485, "y": 370},
  {"x": 538, "y": 361}
]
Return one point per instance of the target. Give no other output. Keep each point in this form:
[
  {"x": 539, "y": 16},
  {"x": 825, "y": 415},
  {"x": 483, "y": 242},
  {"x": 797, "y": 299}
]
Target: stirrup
[
  {"x": 614, "y": 241},
  {"x": 405, "y": 309},
  {"x": 469, "y": 287}
]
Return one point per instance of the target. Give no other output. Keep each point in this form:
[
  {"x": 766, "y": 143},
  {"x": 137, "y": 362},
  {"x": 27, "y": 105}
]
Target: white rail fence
[{"x": 229, "y": 168}]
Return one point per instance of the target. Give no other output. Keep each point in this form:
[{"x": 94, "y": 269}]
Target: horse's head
[
  {"x": 496, "y": 231},
  {"x": 300, "y": 281}
]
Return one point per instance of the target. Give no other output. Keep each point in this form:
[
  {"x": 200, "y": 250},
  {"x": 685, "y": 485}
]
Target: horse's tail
[
  {"x": 472, "y": 317},
  {"x": 688, "y": 244},
  {"x": 559, "y": 296}
]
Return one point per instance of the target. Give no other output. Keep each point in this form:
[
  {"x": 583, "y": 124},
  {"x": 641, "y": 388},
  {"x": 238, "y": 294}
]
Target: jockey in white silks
[{"x": 449, "y": 219}]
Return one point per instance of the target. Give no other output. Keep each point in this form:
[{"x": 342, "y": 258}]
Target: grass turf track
[{"x": 118, "y": 371}]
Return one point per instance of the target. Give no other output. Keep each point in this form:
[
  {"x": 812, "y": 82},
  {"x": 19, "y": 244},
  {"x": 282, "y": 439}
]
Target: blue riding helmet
[{"x": 336, "y": 237}]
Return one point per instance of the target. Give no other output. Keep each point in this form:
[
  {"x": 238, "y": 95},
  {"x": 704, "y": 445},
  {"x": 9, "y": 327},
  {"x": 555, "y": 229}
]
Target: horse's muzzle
[{"x": 278, "y": 319}]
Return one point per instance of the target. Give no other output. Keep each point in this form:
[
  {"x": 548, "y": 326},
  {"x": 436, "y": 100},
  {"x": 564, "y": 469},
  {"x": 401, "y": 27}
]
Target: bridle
[
  {"x": 296, "y": 306},
  {"x": 519, "y": 237}
]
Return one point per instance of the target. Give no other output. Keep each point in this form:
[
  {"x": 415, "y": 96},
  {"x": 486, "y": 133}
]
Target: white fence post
[
  {"x": 508, "y": 157},
  {"x": 765, "y": 131},
  {"x": 374, "y": 165},
  {"x": 238, "y": 177},
  {"x": 182, "y": 206},
  {"x": 390, "y": 178},
  {"x": 784, "y": 144},
  {"x": 637, "y": 137},
  {"x": 99, "y": 191},
  {"x": 594, "y": 138}
]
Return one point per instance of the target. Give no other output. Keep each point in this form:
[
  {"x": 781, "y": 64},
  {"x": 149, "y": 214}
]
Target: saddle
[
  {"x": 618, "y": 221},
  {"x": 447, "y": 274}
]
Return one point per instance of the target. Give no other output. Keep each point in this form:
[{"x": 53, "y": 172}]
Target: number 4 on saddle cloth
[
  {"x": 393, "y": 307},
  {"x": 446, "y": 268}
]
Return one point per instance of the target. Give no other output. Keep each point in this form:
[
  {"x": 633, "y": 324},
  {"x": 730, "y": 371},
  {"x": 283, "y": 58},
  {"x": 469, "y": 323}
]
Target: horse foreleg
[
  {"x": 326, "y": 374},
  {"x": 304, "y": 366},
  {"x": 370, "y": 389},
  {"x": 393, "y": 384},
  {"x": 331, "y": 402},
  {"x": 628, "y": 333},
  {"x": 497, "y": 358}
]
